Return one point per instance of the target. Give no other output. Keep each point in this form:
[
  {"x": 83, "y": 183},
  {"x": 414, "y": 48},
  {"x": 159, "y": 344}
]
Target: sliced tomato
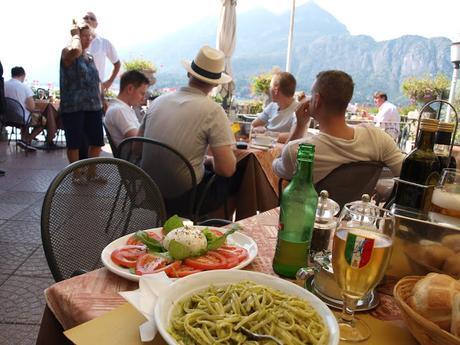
[
  {"x": 150, "y": 263},
  {"x": 212, "y": 260},
  {"x": 126, "y": 256},
  {"x": 181, "y": 270},
  {"x": 134, "y": 241},
  {"x": 217, "y": 232},
  {"x": 240, "y": 252}
]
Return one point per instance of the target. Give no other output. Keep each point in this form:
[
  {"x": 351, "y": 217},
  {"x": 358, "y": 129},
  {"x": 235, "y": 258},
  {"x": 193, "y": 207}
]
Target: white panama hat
[{"x": 208, "y": 66}]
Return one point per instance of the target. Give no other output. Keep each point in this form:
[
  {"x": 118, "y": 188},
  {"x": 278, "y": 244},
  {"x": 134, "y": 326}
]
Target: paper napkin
[{"x": 144, "y": 300}]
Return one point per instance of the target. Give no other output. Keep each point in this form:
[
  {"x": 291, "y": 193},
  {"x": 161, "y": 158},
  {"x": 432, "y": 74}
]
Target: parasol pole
[{"x": 291, "y": 33}]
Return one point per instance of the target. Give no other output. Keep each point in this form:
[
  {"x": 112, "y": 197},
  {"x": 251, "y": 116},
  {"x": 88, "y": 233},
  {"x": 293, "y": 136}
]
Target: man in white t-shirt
[
  {"x": 189, "y": 121},
  {"x": 101, "y": 48},
  {"x": 388, "y": 117},
  {"x": 120, "y": 119},
  {"x": 278, "y": 116},
  {"x": 337, "y": 143},
  {"x": 16, "y": 89}
]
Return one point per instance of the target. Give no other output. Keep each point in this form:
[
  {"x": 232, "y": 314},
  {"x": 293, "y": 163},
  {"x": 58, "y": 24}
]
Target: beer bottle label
[{"x": 358, "y": 250}]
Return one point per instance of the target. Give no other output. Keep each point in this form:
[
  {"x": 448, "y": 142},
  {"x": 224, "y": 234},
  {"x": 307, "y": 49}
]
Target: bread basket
[{"x": 425, "y": 331}]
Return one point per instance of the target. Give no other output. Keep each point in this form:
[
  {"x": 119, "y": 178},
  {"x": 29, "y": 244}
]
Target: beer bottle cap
[
  {"x": 446, "y": 127},
  {"x": 429, "y": 125}
]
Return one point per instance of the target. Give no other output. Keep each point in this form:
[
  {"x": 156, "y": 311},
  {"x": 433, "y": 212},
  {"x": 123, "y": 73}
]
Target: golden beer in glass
[
  {"x": 446, "y": 195},
  {"x": 360, "y": 255}
]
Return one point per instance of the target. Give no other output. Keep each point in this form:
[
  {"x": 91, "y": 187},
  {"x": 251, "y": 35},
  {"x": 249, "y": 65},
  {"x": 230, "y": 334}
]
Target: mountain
[{"x": 320, "y": 42}]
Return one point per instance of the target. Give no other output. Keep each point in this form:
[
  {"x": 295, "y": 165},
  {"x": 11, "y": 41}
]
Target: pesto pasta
[{"x": 215, "y": 315}]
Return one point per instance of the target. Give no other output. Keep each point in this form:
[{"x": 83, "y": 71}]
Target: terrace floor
[{"x": 24, "y": 273}]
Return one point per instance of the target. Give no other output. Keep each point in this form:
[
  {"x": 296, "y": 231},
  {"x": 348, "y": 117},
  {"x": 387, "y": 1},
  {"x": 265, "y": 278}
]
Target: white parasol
[{"x": 226, "y": 41}]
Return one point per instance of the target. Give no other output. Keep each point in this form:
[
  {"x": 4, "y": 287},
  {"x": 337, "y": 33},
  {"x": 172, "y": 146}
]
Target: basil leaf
[
  {"x": 221, "y": 240},
  {"x": 172, "y": 223},
  {"x": 210, "y": 236},
  {"x": 151, "y": 243},
  {"x": 178, "y": 251}
]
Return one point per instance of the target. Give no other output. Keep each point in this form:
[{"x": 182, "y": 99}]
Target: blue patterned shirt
[{"x": 79, "y": 85}]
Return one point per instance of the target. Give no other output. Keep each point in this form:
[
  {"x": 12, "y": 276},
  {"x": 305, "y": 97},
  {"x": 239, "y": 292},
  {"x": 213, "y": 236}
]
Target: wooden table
[{"x": 94, "y": 296}]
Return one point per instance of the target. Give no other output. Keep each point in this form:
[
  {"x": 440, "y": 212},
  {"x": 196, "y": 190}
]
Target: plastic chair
[
  {"x": 14, "y": 116},
  {"x": 79, "y": 220},
  {"x": 113, "y": 147},
  {"x": 350, "y": 181},
  {"x": 172, "y": 172}
]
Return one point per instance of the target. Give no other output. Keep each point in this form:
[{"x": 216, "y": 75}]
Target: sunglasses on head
[{"x": 89, "y": 18}]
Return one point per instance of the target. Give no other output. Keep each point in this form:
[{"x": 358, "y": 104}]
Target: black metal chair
[
  {"x": 348, "y": 182},
  {"x": 113, "y": 147},
  {"x": 14, "y": 116},
  {"x": 172, "y": 172},
  {"x": 79, "y": 219}
]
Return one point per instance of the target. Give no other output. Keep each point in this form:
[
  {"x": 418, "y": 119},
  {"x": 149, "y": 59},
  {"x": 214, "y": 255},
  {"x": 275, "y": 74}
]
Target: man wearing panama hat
[{"x": 191, "y": 122}]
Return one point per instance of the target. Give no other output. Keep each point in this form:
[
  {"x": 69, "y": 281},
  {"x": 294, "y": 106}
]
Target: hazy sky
[{"x": 32, "y": 33}]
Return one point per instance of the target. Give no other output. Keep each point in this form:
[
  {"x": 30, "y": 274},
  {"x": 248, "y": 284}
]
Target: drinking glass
[
  {"x": 361, "y": 251},
  {"x": 446, "y": 195}
]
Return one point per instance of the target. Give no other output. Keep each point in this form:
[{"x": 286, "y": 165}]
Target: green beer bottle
[{"x": 297, "y": 216}]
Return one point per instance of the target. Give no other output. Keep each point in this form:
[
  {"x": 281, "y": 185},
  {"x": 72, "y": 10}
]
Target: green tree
[
  {"x": 425, "y": 89},
  {"x": 139, "y": 64},
  {"x": 260, "y": 84}
]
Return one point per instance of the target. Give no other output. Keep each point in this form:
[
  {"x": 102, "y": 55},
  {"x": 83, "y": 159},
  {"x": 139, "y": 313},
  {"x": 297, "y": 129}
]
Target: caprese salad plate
[{"x": 178, "y": 250}]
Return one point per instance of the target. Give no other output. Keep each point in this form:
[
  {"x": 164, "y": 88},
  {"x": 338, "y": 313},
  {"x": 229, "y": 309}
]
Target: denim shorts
[{"x": 81, "y": 127}]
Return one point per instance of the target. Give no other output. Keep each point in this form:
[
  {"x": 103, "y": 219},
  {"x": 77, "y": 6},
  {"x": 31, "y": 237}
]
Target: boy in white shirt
[{"x": 120, "y": 119}]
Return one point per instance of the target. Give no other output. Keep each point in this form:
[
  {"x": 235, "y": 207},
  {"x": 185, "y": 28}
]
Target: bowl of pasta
[{"x": 213, "y": 305}]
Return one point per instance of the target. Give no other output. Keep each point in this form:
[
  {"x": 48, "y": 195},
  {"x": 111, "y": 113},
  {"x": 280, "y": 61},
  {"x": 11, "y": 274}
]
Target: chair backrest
[
  {"x": 350, "y": 181},
  {"x": 171, "y": 171},
  {"x": 79, "y": 220},
  {"x": 113, "y": 147},
  {"x": 14, "y": 114}
]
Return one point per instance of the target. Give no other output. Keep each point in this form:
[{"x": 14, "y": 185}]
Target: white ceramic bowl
[
  {"x": 263, "y": 140},
  {"x": 189, "y": 285}
]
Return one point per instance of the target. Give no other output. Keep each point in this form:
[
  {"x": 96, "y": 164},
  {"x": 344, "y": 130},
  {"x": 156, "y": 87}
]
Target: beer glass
[
  {"x": 361, "y": 251},
  {"x": 446, "y": 195}
]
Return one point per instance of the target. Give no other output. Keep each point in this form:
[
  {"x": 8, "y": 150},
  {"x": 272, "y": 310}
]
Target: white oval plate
[
  {"x": 189, "y": 285},
  {"x": 237, "y": 238}
]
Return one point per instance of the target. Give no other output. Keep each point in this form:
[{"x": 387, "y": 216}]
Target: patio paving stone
[
  {"x": 19, "y": 231},
  {"x": 35, "y": 265},
  {"x": 26, "y": 276},
  {"x": 22, "y": 299},
  {"x": 7, "y": 211},
  {"x": 13, "y": 255},
  {"x": 11, "y": 334},
  {"x": 17, "y": 197},
  {"x": 31, "y": 213}
]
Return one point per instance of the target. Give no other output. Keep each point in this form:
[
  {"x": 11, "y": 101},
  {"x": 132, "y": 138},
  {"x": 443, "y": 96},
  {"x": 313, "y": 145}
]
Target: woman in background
[{"x": 81, "y": 106}]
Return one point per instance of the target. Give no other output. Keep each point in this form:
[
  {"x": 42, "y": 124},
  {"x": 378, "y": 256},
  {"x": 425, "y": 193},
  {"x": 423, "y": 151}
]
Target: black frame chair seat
[
  {"x": 348, "y": 182},
  {"x": 79, "y": 220},
  {"x": 165, "y": 174}
]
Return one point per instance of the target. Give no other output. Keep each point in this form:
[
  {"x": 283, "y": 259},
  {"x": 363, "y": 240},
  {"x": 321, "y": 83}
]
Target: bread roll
[
  {"x": 432, "y": 297},
  {"x": 433, "y": 255},
  {"x": 455, "y": 325},
  {"x": 452, "y": 241},
  {"x": 452, "y": 265}
]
